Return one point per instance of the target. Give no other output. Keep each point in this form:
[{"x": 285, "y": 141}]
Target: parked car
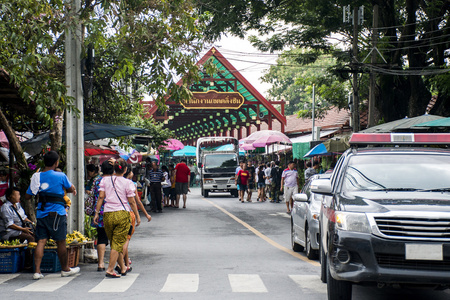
[
  {"x": 385, "y": 215},
  {"x": 305, "y": 219}
]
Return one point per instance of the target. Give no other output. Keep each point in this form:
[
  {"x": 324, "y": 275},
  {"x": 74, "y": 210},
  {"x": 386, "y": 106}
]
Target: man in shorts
[
  {"x": 51, "y": 212},
  {"x": 182, "y": 177},
  {"x": 289, "y": 179},
  {"x": 242, "y": 181}
]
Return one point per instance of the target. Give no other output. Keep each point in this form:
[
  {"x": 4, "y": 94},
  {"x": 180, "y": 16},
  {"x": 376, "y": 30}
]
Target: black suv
[{"x": 385, "y": 219}]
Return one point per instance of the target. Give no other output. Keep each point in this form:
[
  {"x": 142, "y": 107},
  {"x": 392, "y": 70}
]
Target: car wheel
[
  {"x": 234, "y": 193},
  {"x": 338, "y": 289},
  {"x": 323, "y": 265},
  {"x": 206, "y": 193},
  {"x": 310, "y": 253},
  {"x": 202, "y": 190},
  {"x": 296, "y": 247}
]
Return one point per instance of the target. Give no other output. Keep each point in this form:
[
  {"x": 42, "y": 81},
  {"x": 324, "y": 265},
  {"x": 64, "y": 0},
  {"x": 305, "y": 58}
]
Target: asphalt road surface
[{"x": 216, "y": 248}]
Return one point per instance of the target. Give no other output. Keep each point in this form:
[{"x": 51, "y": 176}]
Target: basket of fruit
[{"x": 12, "y": 256}]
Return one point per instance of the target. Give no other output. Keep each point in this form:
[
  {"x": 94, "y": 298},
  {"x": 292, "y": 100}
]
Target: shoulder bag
[{"x": 117, "y": 194}]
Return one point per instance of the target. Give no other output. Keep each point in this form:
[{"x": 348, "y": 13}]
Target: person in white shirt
[
  {"x": 267, "y": 171},
  {"x": 289, "y": 181}
]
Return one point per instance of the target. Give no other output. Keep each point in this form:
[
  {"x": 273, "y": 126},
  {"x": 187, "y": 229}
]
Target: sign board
[{"x": 214, "y": 100}]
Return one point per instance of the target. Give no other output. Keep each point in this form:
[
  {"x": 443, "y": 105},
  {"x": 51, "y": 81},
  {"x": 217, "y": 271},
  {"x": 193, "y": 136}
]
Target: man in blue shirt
[{"x": 51, "y": 212}]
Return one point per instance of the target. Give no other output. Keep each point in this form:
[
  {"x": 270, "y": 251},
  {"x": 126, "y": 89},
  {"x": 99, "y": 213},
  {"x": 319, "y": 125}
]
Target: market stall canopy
[
  {"x": 229, "y": 147},
  {"x": 92, "y": 131},
  {"x": 444, "y": 122},
  {"x": 317, "y": 150},
  {"x": 404, "y": 124},
  {"x": 93, "y": 150},
  {"x": 337, "y": 145},
  {"x": 186, "y": 151},
  {"x": 330, "y": 146}
]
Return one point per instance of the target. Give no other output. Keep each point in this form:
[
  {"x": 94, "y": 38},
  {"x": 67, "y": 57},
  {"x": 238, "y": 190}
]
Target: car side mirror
[
  {"x": 321, "y": 186},
  {"x": 300, "y": 198}
]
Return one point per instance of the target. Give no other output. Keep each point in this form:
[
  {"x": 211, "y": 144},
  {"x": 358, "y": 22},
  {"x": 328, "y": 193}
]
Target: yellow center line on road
[{"x": 262, "y": 236}]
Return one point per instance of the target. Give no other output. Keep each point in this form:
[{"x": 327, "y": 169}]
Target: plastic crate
[
  {"x": 12, "y": 260},
  {"x": 50, "y": 262},
  {"x": 73, "y": 256}
]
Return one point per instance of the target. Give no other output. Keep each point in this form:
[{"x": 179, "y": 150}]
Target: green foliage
[
  {"x": 30, "y": 51},
  {"x": 295, "y": 73},
  {"x": 413, "y": 42},
  {"x": 141, "y": 47}
]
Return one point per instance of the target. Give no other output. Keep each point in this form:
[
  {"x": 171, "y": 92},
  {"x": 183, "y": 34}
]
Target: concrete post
[{"x": 74, "y": 125}]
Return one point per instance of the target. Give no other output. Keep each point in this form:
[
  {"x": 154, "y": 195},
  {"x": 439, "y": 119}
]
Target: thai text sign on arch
[{"x": 214, "y": 100}]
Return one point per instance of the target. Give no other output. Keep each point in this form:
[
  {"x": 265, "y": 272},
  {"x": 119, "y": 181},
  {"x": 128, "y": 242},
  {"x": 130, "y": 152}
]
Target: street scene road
[{"x": 216, "y": 248}]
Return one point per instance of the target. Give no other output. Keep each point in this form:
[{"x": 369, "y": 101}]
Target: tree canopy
[{"x": 413, "y": 40}]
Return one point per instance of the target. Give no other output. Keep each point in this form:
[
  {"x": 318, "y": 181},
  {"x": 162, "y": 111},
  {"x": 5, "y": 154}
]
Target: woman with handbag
[
  {"x": 14, "y": 223},
  {"x": 118, "y": 194},
  {"x": 102, "y": 238}
]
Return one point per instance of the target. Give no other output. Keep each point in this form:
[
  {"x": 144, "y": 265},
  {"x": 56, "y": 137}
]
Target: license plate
[
  {"x": 424, "y": 252},
  {"x": 221, "y": 187}
]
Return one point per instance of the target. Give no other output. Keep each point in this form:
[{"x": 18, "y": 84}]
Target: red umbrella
[{"x": 173, "y": 144}]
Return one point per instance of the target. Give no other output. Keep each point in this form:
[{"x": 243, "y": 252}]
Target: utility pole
[
  {"x": 74, "y": 124},
  {"x": 355, "y": 112},
  {"x": 373, "y": 61},
  {"x": 313, "y": 131}
]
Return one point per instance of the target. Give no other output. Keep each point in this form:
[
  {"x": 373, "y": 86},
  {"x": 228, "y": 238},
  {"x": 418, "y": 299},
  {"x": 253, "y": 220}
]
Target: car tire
[
  {"x": 323, "y": 264},
  {"x": 295, "y": 247},
  {"x": 338, "y": 289},
  {"x": 310, "y": 253},
  {"x": 234, "y": 193},
  {"x": 206, "y": 193}
]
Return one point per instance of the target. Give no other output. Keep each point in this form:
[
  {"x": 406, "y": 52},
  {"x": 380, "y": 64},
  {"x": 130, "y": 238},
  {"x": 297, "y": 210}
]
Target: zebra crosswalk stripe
[
  {"x": 310, "y": 282},
  {"x": 6, "y": 277},
  {"x": 181, "y": 283},
  {"x": 114, "y": 285},
  {"x": 246, "y": 283},
  {"x": 49, "y": 283}
]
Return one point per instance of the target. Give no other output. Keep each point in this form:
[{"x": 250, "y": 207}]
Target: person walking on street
[
  {"x": 166, "y": 185},
  {"x": 182, "y": 174},
  {"x": 289, "y": 180},
  {"x": 275, "y": 175},
  {"x": 261, "y": 177},
  {"x": 268, "y": 182},
  {"x": 102, "y": 238},
  {"x": 173, "y": 193},
  {"x": 241, "y": 182},
  {"x": 192, "y": 169},
  {"x": 118, "y": 194},
  {"x": 251, "y": 181},
  {"x": 156, "y": 177},
  {"x": 51, "y": 212}
]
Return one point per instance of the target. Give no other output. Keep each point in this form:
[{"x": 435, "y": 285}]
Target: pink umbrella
[
  {"x": 247, "y": 147},
  {"x": 173, "y": 144},
  {"x": 267, "y": 137}
]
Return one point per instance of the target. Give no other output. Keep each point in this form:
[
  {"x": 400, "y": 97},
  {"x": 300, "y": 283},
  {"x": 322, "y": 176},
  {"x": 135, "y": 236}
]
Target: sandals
[
  {"x": 114, "y": 275},
  {"x": 100, "y": 269}
]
